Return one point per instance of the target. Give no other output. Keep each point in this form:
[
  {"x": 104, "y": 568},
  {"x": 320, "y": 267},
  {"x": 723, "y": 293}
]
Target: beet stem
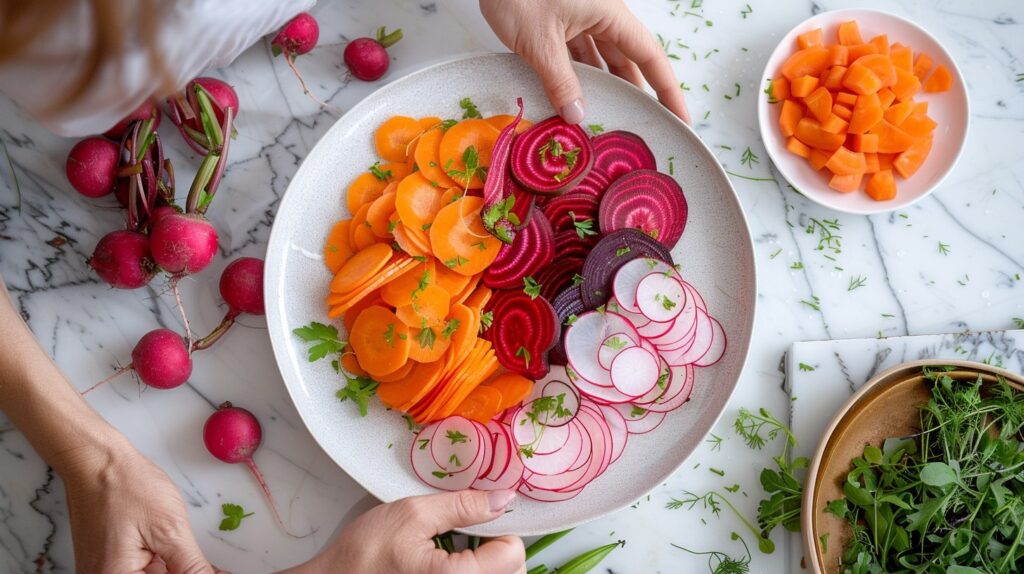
[
  {"x": 251, "y": 464},
  {"x": 113, "y": 376},
  {"x": 215, "y": 335}
]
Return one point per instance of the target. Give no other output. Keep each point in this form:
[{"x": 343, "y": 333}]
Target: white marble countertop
[{"x": 909, "y": 287}]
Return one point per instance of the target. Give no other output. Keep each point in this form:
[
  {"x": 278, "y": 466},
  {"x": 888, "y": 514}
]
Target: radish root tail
[
  {"x": 113, "y": 376},
  {"x": 270, "y": 500}
]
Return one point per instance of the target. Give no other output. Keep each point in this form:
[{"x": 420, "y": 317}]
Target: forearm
[{"x": 42, "y": 404}]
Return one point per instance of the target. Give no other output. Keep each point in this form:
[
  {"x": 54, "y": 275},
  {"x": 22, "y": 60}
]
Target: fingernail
[
  {"x": 572, "y": 112},
  {"x": 500, "y": 499}
]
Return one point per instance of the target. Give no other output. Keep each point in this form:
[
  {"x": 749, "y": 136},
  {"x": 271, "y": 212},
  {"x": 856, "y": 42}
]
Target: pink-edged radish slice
[
  {"x": 502, "y": 450},
  {"x": 575, "y": 471},
  {"x": 683, "y": 326},
  {"x": 677, "y": 395},
  {"x": 529, "y": 433},
  {"x": 617, "y": 426},
  {"x": 567, "y": 402},
  {"x": 662, "y": 386},
  {"x": 456, "y": 444},
  {"x": 612, "y": 346},
  {"x": 601, "y": 437},
  {"x": 718, "y": 345},
  {"x": 428, "y": 471},
  {"x": 638, "y": 419},
  {"x": 606, "y": 395},
  {"x": 635, "y": 371},
  {"x": 487, "y": 449},
  {"x": 541, "y": 495},
  {"x": 699, "y": 301},
  {"x": 558, "y": 461},
  {"x": 654, "y": 329},
  {"x": 697, "y": 349},
  {"x": 512, "y": 475},
  {"x": 583, "y": 343},
  {"x": 660, "y": 297},
  {"x": 636, "y": 319},
  {"x": 628, "y": 277}
]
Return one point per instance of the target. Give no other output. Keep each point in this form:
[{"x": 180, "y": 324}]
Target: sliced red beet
[
  {"x": 552, "y": 156},
  {"x": 557, "y": 276},
  {"x": 564, "y": 211},
  {"x": 499, "y": 187},
  {"x": 569, "y": 244},
  {"x": 646, "y": 200},
  {"x": 522, "y": 332},
  {"x": 523, "y": 207},
  {"x": 532, "y": 249},
  {"x": 620, "y": 152},
  {"x": 593, "y": 185},
  {"x": 611, "y": 253}
]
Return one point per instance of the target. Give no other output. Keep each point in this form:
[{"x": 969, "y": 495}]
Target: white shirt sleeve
[{"x": 194, "y": 36}]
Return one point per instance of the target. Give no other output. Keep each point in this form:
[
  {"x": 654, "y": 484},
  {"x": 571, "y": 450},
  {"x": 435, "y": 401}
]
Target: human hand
[
  {"x": 396, "y": 538},
  {"x": 126, "y": 515},
  {"x": 595, "y": 32}
]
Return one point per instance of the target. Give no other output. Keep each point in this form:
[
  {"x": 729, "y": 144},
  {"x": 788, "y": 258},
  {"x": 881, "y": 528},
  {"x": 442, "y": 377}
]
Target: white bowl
[
  {"x": 950, "y": 110},
  {"x": 715, "y": 251}
]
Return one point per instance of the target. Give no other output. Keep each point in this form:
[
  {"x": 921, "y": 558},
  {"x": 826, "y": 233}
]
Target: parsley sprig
[
  {"x": 359, "y": 390},
  {"x": 324, "y": 338},
  {"x": 233, "y": 515}
]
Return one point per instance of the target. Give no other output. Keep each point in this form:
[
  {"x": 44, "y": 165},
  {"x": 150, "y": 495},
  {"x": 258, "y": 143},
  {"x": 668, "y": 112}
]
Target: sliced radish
[
  {"x": 717, "y": 348},
  {"x": 558, "y": 461},
  {"x": 636, "y": 319},
  {"x": 612, "y": 346},
  {"x": 567, "y": 403},
  {"x": 487, "y": 449},
  {"x": 456, "y": 444},
  {"x": 529, "y": 433},
  {"x": 574, "y": 469},
  {"x": 677, "y": 394},
  {"x": 542, "y": 495},
  {"x": 617, "y": 426},
  {"x": 638, "y": 419},
  {"x": 654, "y": 329},
  {"x": 502, "y": 450},
  {"x": 683, "y": 328},
  {"x": 635, "y": 371},
  {"x": 512, "y": 475},
  {"x": 629, "y": 276},
  {"x": 606, "y": 395},
  {"x": 699, "y": 301},
  {"x": 593, "y": 422},
  {"x": 698, "y": 348},
  {"x": 583, "y": 343},
  {"x": 427, "y": 469},
  {"x": 662, "y": 385},
  {"x": 660, "y": 296}
]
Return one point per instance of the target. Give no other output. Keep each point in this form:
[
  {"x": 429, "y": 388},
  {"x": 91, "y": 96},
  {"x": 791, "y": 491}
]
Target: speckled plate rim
[
  {"x": 274, "y": 264},
  {"x": 765, "y": 122},
  {"x": 811, "y": 544}
]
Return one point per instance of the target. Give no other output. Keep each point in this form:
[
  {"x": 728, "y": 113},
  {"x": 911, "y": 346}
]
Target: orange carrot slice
[
  {"x": 393, "y": 136},
  {"x": 472, "y": 133},
  {"x": 378, "y": 217},
  {"x": 881, "y": 42},
  {"x": 417, "y": 200},
  {"x": 801, "y": 87},
  {"x": 360, "y": 267},
  {"x": 365, "y": 188},
  {"x": 892, "y": 139},
  {"x": 881, "y": 186},
  {"x": 428, "y": 308},
  {"x": 861, "y": 80},
  {"x": 910, "y": 160},
  {"x": 886, "y": 97},
  {"x": 501, "y": 121},
  {"x": 815, "y": 37},
  {"x": 399, "y": 395},
  {"x": 818, "y": 158},
  {"x": 405, "y": 242},
  {"x": 871, "y": 163},
  {"x": 832, "y": 78},
  {"x": 459, "y": 240},
  {"x": 338, "y": 247},
  {"x": 881, "y": 65},
  {"x": 810, "y": 132},
  {"x": 481, "y": 405},
  {"x": 428, "y": 158},
  {"x": 380, "y": 341},
  {"x": 906, "y": 86},
  {"x": 361, "y": 229},
  {"x": 838, "y": 55},
  {"x": 846, "y": 183},
  {"x": 867, "y": 112},
  {"x": 451, "y": 281},
  {"x": 807, "y": 62},
  {"x": 846, "y": 162},
  {"x": 399, "y": 291},
  {"x": 514, "y": 389},
  {"x": 427, "y": 344},
  {"x": 860, "y": 50},
  {"x": 941, "y": 80},
  {"x": 902, "y": 57},
  {"x": 796, "y": 146},
  {"x": 918, "y": 125},
  {"x": 819, "y": 103},
  {"x": 899, "y": 112},
  {"x": 778, "y": 89},
  {"x": 922, "y": 65},
  {"x": 790, "y": 115},
  {"x": 867, "y": 143},
  {"x": 849, "y": 33},
  {"x": 842, "y": 111},
  {"x": 835, "y": 125},
  {"x": 400, "y": 374}
]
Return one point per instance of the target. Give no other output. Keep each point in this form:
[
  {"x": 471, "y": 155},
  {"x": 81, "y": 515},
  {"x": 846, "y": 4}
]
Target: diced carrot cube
[
  {"x": 941, "y": 80},
  {"x": 814, "y": 37},
  {"x": 881, "y": 65},
  {"x": 846, "y": 162},
  {"x": 849, "y": 33},
  {"x": 838, "y": 55},
  {"x": 886, "y": 97},
  {"x": 906, "y": 85},
  {"x": 818, "y": 158},
  {"x": 810, "y": 132},
  {"x": 834, "y": 78},
  {"x": 807, "y": 62},
  {"x": 881, "y": 186},
  {"x": 896, "y": 113},
  {"x": 881, "y": 42},
  {"x": 867, "y": 143},
  {"x": 891, "y": 139},
  {"x": 860, "y": 50},
  {"x": 918, "y": 125},
  {"x": 846, "y": 98},
  {"x": 902, "y": 57},
  {"x": 819, "y": 103},
  {"x": 842, "y": 111},
  {"x": 861, "y": 80},
  {"x": 910, "y": 160},
  {"x": 922, "y": 66},
  {"x": 798, "y": 147},
  {"x": 920, "y": 107},
  {"x": 779, "y": 89},
  {"x": 885, "y": 160},
  {"x": 846, "y": 183},
  {"x": 801, "y": 87},
  {"x": 867, "y": 112},
  {"x": 791, "y": 113},
  {"x": 871, "y": 163},
  {"x": 835, "y": 125}
]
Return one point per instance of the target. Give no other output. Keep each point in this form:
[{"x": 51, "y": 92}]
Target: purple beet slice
[
  {"x": 612, "y": 252},
  {"x": 532, "y": 249},
  {"x": 620, "y": 152},
  {"x": 523, "y": 331},
  {"x": 551, "y": 157},
  {"x": 566, "y": 304},
  {"x": 580, "y": 205},
  {"x": 499, "y": 187},
  {"x": 557, "y": 276},
  {"x": 646, "y": 200}
]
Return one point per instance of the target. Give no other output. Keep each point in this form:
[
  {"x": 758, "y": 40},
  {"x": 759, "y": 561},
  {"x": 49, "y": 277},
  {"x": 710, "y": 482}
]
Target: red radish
[
  {"x": 640, "y": 420},
  {"x": 183, "y": 243},
  {"x": 146, "y": 110},
  {"x": 122, "y": 259},
  {"x": 635, "y": 371},
  {"x": 552, "y": 156},
  {"x": 232, "y": 435},
  {"x": 660, "y": 296},
  {"x": 223, "y": 95},
  {"x": 161, "y": 359},
  {"x": 185, "y": 110},
  {"x": 470, "y": 463},
  {"x": 92, "y": 165},
  {"x": 160, "y": 213},
  {"x": 367, "y": 58},
  {"x": 241, "y": 286},
  {"x": 297, "y": 37}
]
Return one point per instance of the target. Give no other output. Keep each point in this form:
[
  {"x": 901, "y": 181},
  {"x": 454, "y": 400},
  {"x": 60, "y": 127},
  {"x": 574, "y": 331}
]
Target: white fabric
[{"x": 194, "y": 36}]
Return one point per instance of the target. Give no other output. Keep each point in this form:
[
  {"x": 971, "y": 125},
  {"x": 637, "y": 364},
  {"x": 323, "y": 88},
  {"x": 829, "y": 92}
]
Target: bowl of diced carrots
[{"x": 865, "y": 112}]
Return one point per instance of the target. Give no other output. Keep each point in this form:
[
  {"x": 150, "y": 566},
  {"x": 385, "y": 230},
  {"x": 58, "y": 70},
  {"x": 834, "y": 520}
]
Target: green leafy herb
[
  {"x": 943, "y": 248},
  {"x": 797, "y": 265},
  {"x": 233, "y": 515},
  {"x": 456, "y": 437},
  {"x": 750, "y": 426},
  {"x": 426, "y": 338},
  {"x": 856, "y": 282},
  {"x": 622, "y": 250},
  {"x": 637, "y": 412},
  {"x": 381, "y": 174},
  {"x": 805, "y": 367},
  {"x": 615, "y": 343},
  {"x": 389, "y": 335},
  {"x": 1019, "y": 322},
  {"x": 471, "y": 161},
  {"x": 359, "y": 390},
  {"x": 665, "y": 301},
  {"x": 577, "y": 279},
  {"x": 324, "y": 337},
  {"x": 595, "y": 129},
  {"x": 712, "y": 500},
  {"x": 531, "y": 287},
  {"x": 441, "y": 474},
  {"x": 486, "y": 318},
  {"x": 715, "y": 440},
  {"x": 584, "y": 227},
  {"x": 469, "y": 109},
  {"x": 827, "y": 236},
  {"x": 746, "y": 11},
  {"x": 570, "y": 320},
  {"x": 722, "y": 563},
  {"x": 455, "y": 262},
  {"x": 813, "y": 302},
  {"x": 525, "y": 354},
  {"x": 450, "y": 327}
]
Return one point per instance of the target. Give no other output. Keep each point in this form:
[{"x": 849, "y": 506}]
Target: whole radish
[
  {"x": 146, "y": 110},
  {"x": 367, "y": 58},
  {"x": 122, "y": 258},
  {"x": 241, "y": 286},
  {"x": 232, "y": 435},
  {"x": 161, "y": 360},
  {"x": 223, "y": 95},
  {"x": 185, "y": 110},
  {"x": 160, "y": 213},
  {"x": 183, "y": 243},
  {"x": 92, "y": 166},
  {"x": 297, "y": 37}
]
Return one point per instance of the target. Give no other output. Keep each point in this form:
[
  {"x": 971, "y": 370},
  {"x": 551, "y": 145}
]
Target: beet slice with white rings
[
  {"x": 628, "y": 277},
  {"x": 660, "y": 297},
  {"x": 612, "y": 346},
  {"x": 676, "y": 395},
  {"x": 552, "y": 156},
  {"x": 427, "y": 469},
  {"x": 646, "y": 200},
  {"x": 456, "y": 444},
  {"x": 532, "y": 249},
  {"x": 635, "y": 371},
  {"x": 638, "y": 419},
  {"x": 580, "y": 205},
  {"x": 717, "y": 348},
  {"x": 620, "y": 152},
  {"x": 698, "y": 348},
  {"x": 613, "y": 251},
  {"x": 617, "y": 426},
  {"x": 594, "y": 184}
]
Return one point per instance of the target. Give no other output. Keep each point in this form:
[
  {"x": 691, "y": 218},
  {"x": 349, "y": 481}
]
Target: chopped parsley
[{"x": 531, "y": 287}]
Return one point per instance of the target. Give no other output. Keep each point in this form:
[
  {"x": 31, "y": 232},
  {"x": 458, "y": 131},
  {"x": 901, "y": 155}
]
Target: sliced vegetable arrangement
[
  {"x": 849, "y": 108},
  {"x": 510, "y": 286}
]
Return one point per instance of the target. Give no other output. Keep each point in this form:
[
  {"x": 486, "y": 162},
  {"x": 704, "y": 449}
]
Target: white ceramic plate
[
  {"x": 715, "y": 252},
  {"x": 950, "y": 109}
]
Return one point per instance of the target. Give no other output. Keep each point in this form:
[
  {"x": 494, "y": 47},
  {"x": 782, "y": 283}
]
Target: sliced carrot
[
  {"x": 417, "y": 200},
  {"x": 899, "y": 112},
  {"x": 886, "y": 97},
  {"x": 338, "y": 247},
  {"x": 815, "y": 37},
  {"x": 475, "y": 374},
  {"x": 867, "y": 143},
  {"x": 846, "y": 162},
  {"x": 810, "y": 132},
  {"x": 885, "y": 160},
  {"x": 361, "y": 229},
  {"x": 918, "y": 125},
  {"x": 871, "y": 163},
  {"x": 451, "y": 281},
  {"x": 846, "y": 183},
  {"x": 791, "y": 113},
  {"x": 360, "y": 267},
  {"x": 406, "y": 244},
  {"x": 514, "y": 389},
  {"x": 796, "y": 146},
  {"x": 401, "y": 395},
  {"x": 861, "y": 80},
  {"x": 465, "y": 329},
  {"x": 838, "y": 55},
  {"x": 365, "y": 188},
  {"x": 450, "y": 195},
  {"x": 380, "y": 341},
  {"x": 393, "y": 136},
  {"x": 428, "y": 159},
  {"x": 779, "y": 89},
  {"x": 807, "y": 62},
  {"x": 835, "y": 125},
  {"x": 428, "y": 308},
  {"x": 472, "y": 133},
  {"x": 343, "y": 302},
  {"x": 922, "y": 65},
  {"x": 481, "y": 405},
  {"x": 379, "y": 215},
  {"x": 399, "y": 291},
  {"x": 350, "y": 364},
  {"x": 867, "y": 112},
  {"x": 818, "y": 158},
  {"x": 471, "y": 285},
  {"x": 459, "y": 240},
  {"x": 501, "y": 121},
  {"x": 909, "y": 161},
  {"x": 860, "y": 50},
  {"x": 394, "y": 171},
  {"x": 350, "y": 316},
  {"x": 849, "y": 33},
  {"x": 941, "y": 80},
  {"x": 906, "y": 86},
  {"x": 833, "y": 78},
  {"x": 881, "y": 65},
  {"x": 921, "y": 108},
  {"x": 801, "y": 87},
  {"x": 902, "y": 57},
  {"x": 891, "y": 139},
  {"x": 881, "y": 42},
  {"x": 819, "y": 103},
  {"x": 881, "y": 186},
  {"x": 846, "y": 98},
  {"x": 427, "y": 344},
  {"x": 400, "y": 374},
  {"x": 478, "y": 298},
  {"x": 419, "y": 236},
  {"x": 842, "y": 111}
]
